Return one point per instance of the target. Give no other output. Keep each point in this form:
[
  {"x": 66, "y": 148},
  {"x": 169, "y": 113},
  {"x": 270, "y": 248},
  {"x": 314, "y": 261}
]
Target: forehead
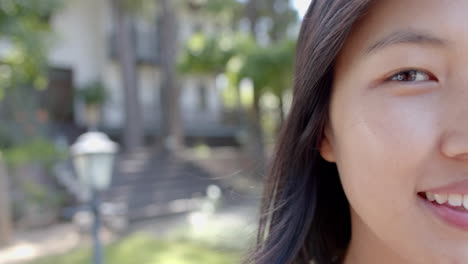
[{"x": 442, "y": 19}]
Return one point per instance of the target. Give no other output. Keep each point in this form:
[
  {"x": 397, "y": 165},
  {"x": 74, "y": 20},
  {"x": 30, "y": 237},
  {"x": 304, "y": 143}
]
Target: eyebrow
[{"x": 407, "y": 36}]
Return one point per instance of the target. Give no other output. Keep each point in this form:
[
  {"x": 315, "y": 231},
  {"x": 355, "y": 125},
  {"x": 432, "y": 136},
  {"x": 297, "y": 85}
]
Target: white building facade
[{"x": 84, "y": 47}]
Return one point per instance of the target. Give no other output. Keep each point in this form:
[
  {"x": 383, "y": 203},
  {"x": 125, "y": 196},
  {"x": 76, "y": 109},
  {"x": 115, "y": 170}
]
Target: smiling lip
[
  {"x": 454, "y": 216},
  {"x": 448, "y": 214},
  {"x": 460, "y": 187}
]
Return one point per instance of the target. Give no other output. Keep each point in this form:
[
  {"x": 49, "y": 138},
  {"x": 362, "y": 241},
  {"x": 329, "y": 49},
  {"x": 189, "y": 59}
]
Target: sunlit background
[
  {"x": 193, "y": 92},
  {"x": 301, "y": 6}
]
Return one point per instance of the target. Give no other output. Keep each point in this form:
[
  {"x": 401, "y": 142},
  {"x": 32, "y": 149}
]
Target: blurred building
[{"x": 85, "y": 51}]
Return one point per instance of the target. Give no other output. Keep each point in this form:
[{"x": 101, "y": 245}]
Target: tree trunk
[
  {"x": 6, "y": 223},
  {"x": 281, "y": 112},
  {"x": 171, "y": 125},
  {"x": 125, "y": 36},
  {"x": 252, "y": 15},
  {"x": 255, "y": 127},
  {"x": 256, "y": 135}
]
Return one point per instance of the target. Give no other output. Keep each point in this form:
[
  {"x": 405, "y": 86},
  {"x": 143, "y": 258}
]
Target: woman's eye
[{"x": 410, "y": 76}]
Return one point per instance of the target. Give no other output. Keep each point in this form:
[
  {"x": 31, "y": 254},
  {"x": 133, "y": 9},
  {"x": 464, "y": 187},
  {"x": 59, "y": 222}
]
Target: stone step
[
  {"x": 154, "y": 186},
  {"x": 158, "y": 186},
  {"x": 138, "y": 198},
  {"x": 163, "y": 209},
  {"x": 142, "y": 205},
  {"x": 177, "y": 176}
]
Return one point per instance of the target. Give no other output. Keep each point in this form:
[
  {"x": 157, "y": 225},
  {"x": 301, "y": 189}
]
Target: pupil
[{"x": 407, "y": 76}]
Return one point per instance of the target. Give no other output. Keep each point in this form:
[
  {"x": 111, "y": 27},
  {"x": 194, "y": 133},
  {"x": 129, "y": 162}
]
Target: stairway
[{"x": 150, "y": 185}]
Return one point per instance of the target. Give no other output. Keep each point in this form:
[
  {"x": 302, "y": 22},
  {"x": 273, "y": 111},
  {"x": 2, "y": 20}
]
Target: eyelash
[{"x": 395, "y": 78}]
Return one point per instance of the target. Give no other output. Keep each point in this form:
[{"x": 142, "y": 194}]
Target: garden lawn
[{"x": 143, "y": 249}]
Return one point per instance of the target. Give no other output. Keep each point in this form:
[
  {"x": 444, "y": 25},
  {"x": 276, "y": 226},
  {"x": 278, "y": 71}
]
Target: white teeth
[
  {"x": 440, "y": 198},
  {"x": 455, "y": 199},
  {"x": 430, "y": 197},
  {"x": 465, "y": 201},
  {"x": 452, "y": 199}
]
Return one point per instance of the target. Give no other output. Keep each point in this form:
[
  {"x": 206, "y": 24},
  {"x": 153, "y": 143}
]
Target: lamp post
[{"x": 93, "y": 157}]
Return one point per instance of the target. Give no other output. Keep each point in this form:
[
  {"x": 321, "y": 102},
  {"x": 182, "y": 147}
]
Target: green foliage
[
  {"x": 205, "y": 55},
  {"x": 32, "y": 197},
  {"x": 224, "y": 11},
  {"x": 24, "y": 34},
  {"x": 141, "y": 248},
  {"x": 36, "y": 199},
  {"x": 34, "y": 151},
  {"x": 269, "y": 67},
  {"x": 281, "y": 14},
  {"x": 38, "y": 194},
  {"x": 239, "y": 56},
  {"x": 92, "y": 94},
  {"x": 217, "y": 6}
]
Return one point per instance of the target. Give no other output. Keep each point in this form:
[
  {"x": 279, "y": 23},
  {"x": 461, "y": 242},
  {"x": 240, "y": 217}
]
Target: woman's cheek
[
  {"x": 383, "y": 142},
  {"x": 401, "y": 130}
]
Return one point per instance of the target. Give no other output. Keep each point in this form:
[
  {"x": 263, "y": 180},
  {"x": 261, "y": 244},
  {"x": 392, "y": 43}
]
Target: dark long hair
[{"x": 305, "y": 214}]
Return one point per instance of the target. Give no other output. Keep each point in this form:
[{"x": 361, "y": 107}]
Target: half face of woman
[{"x": 398, "y": 132}]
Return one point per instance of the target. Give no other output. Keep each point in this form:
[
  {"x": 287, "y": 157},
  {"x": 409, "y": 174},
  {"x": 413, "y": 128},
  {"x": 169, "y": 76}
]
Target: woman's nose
[
  {"x": 455, "y": 121},
  {"x": 455, "y": 146}
]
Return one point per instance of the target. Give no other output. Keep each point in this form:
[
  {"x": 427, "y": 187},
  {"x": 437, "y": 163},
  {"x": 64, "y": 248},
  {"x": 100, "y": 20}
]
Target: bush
[
  {"x": 36, "y": 199},
  {"x": 36, "y": 150},
  {"x": 92, "y": 94}
]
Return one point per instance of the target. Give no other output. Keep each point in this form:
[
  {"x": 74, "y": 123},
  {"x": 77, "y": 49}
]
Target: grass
[{"x": 143, "y": 249}]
